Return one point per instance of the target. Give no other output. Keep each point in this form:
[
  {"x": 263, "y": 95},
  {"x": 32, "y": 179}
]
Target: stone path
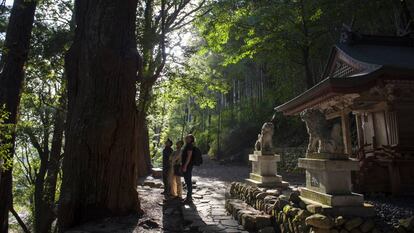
[{"x": 207, "y": 213}]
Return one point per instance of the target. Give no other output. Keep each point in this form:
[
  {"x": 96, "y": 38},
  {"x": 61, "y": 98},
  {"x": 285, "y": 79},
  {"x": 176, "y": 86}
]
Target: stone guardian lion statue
[
  {"x": 324, "y": 138},
  {"x": 264, "y": 141}
]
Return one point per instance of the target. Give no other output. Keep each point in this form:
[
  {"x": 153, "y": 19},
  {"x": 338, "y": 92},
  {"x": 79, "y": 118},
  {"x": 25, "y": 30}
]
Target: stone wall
[{"x": 271, "y": 211}]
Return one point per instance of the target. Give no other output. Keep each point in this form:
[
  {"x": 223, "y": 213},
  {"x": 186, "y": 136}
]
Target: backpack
[{"x": 197, "y": 157}]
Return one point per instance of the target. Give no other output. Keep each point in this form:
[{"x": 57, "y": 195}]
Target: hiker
[
  {"x": 187, "y": 166},
  {"x": 175, "y": 171},
  {"x": 166, "y": 152}
]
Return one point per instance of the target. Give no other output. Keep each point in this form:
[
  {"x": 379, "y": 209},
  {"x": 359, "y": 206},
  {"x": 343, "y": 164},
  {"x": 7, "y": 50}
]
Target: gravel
[{"x": 391, "y": 209}]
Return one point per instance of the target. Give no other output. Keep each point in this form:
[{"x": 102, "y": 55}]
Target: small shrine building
[{"x": 368, "y": 86}]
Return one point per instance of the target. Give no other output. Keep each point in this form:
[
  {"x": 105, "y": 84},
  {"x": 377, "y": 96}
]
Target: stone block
[
  {"x": 294, "y": 197},
  {"x": 319, "y": 230},
  {"x": 328, "y": 165},
  {"x": 376, "y": 230},
  {"x": 264, "y": 164},
  {"x": 339, "y": 221},
  {"x": 264, "y": 171},
  {"x": 353, "y": 223},
  {"x": 263, "y": 221},
  {"x": 281, "y": 203},
  {"x": 314, "y": 209},
  {"x": 352, "y": 199},
  {"x": 273, "y": 192},
  {"x": 267, "y": 230},
  {"x": 265, "y": 179},
  {"x": 249, "y": 222},
  {"x": 367, "y": 226},
  {"x": 366, "y": 210},
  {"x": 302, "y": 215},
  {"x": 400, "y": 229},
  {"x": 282, "y": 184},
  {"x": 156, "y": 172},
  {"x": 407, "y": 223},
  {"x": 319, "y": 221},
  {"x": 153, "y": 184},
  {"x": 240, "y": 214},
  {"x": 328, "y": 176}
]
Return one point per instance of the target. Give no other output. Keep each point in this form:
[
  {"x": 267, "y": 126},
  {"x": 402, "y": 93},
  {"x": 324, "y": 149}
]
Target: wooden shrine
[{"x": 368, "y": 87}]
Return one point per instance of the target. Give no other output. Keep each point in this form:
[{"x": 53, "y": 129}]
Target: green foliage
[
  {"x": 264, "y": 53},
  {"x": 5, "y": 139},
  {"x": 40, "y": 100},
  {"x": 188, "y": 91}
]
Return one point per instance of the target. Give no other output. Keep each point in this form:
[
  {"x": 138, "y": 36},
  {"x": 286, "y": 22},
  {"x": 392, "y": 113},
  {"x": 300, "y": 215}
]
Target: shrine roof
[
  {"x": 392, "y": 56},
  {"x": 364, "y": 60}
]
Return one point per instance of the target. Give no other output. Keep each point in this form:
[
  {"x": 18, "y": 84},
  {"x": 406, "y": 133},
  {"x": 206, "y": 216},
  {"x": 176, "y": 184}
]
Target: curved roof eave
[{"x": 329, "y": 87}]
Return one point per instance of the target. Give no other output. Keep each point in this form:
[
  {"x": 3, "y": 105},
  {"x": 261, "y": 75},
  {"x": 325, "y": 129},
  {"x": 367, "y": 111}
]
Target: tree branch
[{"x": 19, "y": 220}]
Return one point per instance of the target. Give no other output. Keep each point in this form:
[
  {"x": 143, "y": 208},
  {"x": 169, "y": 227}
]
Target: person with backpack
[{"x": 187, "y": 158}]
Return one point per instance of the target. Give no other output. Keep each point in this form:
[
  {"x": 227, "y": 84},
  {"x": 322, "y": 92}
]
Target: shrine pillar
[{"x": 346, "y": 133}]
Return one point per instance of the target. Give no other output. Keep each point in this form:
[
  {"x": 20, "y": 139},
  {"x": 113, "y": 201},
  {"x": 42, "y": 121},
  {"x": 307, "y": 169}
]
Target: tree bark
[
  {"x": 306, "y": 48},
  {"x": 308, "y": 72},
  {"x": 144, "y": 101},
  {"x": 11, "y": 80},
  {"x": 143, "y": 155},
  {"x": 100, "y": 165}
]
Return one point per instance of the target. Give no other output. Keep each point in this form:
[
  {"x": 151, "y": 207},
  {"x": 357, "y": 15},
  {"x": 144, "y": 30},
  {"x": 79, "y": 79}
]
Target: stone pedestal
[
  {"x": 264, "y": 171},
  {"x": 328, "y": 183}
]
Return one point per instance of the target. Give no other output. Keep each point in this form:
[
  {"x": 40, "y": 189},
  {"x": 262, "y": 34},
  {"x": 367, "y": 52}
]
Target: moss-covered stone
[
  {"x": 367, "y": 226},
  {"x": 355, "y": 230},
  {"x": 294, "y": 197},
  {"x": 319, "y": 221},
  {"x": 286, "y": 209},
  {"x": 314, "y": 209},
  {"x": 302, "y": 215},
  {"x": 407, "y": 223},
  {"x": 339, "y": 221},
  {"x": 280, "y": 204},
  {"x": 353, "y": 223},
  {"x": 319, "y": 230}
]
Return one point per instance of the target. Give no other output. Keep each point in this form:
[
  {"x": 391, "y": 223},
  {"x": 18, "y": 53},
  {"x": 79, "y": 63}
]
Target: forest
[{"x": 93, "y": 88}]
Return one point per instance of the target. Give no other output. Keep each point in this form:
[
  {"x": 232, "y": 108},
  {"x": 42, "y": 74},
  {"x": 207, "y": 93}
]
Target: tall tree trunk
[
  {"x": 308, "y": 72},
  {"x": 45, "y": 205},
  {"x": 306, "y": 47},
  {"x": 11, "y": 80},
  {"x": 39, "y": 187},
  {"x": 144, "y": 102},
  {"x": 99, "y": 167},
  {"x": 143, "y": 154}
]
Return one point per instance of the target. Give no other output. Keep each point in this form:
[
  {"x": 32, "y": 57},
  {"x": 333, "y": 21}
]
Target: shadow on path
[{"x": 172, "y": 219}]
